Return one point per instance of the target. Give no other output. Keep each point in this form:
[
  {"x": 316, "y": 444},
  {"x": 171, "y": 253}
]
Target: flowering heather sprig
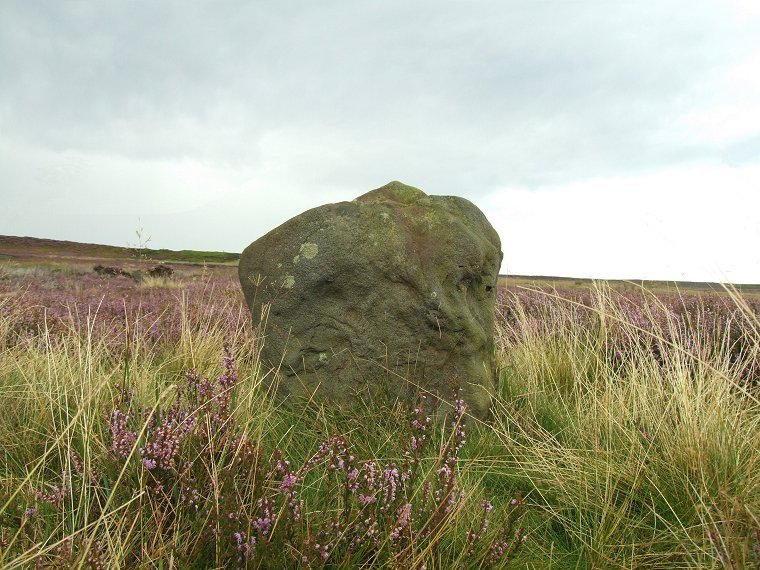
[
  {"x": 263, "y": 523},
  {"x": 446, "y": 494},
  {"x": 122, "y": 438},
  {"x": 196, "y": 389},
  {"x": 212, "y": 398},
  {"x": 164, "y": 435},
  {"x": 190, "y": 496},
  {"x": 457, "y": 426},
  {"x": 245, "y": 546},
  {"x": 94, "y": 558},
  {"x": 369, "y": 468},
  {"x": 289, "y": 481},
  {"x": 418, "y": 440},
  {"x": 55, "y": 496},
  {"x": 245, "y": 450},
  {"x": 340, "y": 456},
  {"x": 336, "y": 451},
  {"x": 474, "y": 536},
  {"x": 427, "y": 495},
  {"x": 225, "y": 383},
  {"x": 280, "y": 466},
  {"x": 89, "y": 475},
  {"x": 287, "y": 488},
  {"x": 228, "y": 360},
  {"x": 506, "y": 545},
  {"x": 323, "y": 450},
  {"x": 164, "y": 444},
  {"x": 77, "y": 462},
  {"x": 66, "y": 549},
  {"x": 323, "y": 550},
  {"x": 352, "y": 480},
  {"x": 404, "y": 519},
  {"x": 389, "y": 486},
  {"x": 367, "y": 499},
  {"x": 420, "y": 426}
]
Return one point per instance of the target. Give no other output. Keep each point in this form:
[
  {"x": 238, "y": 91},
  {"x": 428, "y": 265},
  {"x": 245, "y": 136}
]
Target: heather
[
  {"x": 154, "y": 312},
  {"x": 139, "y": 430}
]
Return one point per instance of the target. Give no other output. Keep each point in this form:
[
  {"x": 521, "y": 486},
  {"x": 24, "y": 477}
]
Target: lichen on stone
[{"x": 309, "y": 250}]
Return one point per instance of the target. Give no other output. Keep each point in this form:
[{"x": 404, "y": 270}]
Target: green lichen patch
[{"x": 309, "y": 250}]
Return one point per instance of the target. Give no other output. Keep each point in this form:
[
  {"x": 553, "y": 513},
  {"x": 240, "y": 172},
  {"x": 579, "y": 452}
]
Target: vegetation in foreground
[{"x": 624, "y": 434}]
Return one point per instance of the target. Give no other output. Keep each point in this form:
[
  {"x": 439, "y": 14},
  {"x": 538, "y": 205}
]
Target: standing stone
[{"x": 389, "y": 293}]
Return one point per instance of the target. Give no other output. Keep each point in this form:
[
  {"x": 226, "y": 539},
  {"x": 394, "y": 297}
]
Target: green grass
[
  {"x": 190, "y": 256},
  {"x": 645, "y": 463}
]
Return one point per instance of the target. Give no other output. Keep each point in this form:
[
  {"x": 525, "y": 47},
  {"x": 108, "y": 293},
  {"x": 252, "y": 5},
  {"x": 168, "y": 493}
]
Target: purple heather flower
[
  {"x": 404, "y": 517},
  {"x": 122, "y": 439},
  {"x": 390, "y": 485},
  {"x": 55, "y": 496},
  {"x": 364, "y": 500},
  {"x": 288, "y": 482},
  {"x": 262, "y": 524}
]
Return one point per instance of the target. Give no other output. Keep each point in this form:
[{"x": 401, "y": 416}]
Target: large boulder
[{"x": 390, "y": 293}]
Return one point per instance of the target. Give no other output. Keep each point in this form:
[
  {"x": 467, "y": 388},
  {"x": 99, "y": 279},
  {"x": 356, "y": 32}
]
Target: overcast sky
[{"x": 601, "y": 138}]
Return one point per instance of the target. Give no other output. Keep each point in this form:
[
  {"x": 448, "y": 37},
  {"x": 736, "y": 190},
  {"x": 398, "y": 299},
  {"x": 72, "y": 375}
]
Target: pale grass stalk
[
  {"x": 151, "y": 282},
  {"x": 70, "y": 380},
  {"x": 28, "y": 557},
  {"x": 608, "y": 451}
]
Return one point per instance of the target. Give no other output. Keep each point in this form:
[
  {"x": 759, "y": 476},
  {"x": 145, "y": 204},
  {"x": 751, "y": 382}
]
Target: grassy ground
[
  {"x": 625, "y": 286},
  {"x": 624, "y": 435},
  {"x": 22, "y": 249}
]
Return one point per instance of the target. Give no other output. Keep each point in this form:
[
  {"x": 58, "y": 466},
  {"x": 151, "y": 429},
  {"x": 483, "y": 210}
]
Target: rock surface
[{"x": 389, "y": 293}]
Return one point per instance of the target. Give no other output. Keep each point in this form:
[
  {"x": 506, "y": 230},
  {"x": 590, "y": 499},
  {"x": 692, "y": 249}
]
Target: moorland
[{"x": 139, "y": 429}]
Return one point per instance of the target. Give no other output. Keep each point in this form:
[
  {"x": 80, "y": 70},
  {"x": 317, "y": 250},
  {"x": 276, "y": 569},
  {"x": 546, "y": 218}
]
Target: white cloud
[
  {"x": 693, "y": 223},
  {"x": 746, "y": 8},
  {"x": 728, "y": 107}
]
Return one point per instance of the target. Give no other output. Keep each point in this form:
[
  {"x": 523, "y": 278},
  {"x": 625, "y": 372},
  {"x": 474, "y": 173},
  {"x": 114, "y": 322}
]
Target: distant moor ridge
[{"x": 28, "y": 249}]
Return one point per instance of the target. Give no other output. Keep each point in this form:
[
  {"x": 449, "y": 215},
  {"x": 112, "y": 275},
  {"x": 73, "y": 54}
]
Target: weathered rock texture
[{"x": 391, "y": 292}]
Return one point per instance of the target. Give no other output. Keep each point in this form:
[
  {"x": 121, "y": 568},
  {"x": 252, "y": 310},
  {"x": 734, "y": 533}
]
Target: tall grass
[
  {"x": 619, "y": 438},
  {"x": 142, "y": 455},
  {"x": 647, "y": 461}
]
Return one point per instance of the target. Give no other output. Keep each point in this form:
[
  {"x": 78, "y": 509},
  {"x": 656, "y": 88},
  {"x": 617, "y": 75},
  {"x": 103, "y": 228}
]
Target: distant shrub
[
  {"x": 109, "y": 271},
  {"x": 161, "y": 270}
]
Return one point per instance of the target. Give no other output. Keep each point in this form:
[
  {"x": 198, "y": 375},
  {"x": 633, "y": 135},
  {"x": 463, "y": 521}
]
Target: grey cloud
[
  {"x": 287, "y": 105},
  {"x": 476, "y": 93}
]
